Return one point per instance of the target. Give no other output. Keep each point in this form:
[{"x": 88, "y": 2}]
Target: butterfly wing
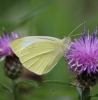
[
  {"x": 21, "y": 43},
  {"x": 39, "y": 56}
]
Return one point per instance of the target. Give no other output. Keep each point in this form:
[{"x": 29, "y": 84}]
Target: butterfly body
[{"x": 40, "y": 53}]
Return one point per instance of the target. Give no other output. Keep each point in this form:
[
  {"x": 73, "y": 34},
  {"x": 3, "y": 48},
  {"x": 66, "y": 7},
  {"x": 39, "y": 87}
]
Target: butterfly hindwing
[{"x": 41, "y": 57}]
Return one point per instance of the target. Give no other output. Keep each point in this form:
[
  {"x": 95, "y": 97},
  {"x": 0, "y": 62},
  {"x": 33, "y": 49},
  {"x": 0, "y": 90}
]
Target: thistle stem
[
  {"x": 15, "y": 91},
  {"x": 85, "y": 93}
]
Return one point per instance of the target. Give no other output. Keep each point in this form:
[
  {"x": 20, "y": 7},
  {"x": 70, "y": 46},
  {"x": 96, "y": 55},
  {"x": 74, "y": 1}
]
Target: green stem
[
  {"x": 15, "y": 91},
  {"x": 85, "y": 93}
]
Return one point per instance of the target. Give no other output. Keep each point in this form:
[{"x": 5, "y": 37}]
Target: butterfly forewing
[{"x": 21, "y": 43}]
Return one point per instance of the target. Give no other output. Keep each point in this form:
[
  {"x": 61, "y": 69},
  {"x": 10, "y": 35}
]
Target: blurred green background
[{"x": 56, "y": 18}]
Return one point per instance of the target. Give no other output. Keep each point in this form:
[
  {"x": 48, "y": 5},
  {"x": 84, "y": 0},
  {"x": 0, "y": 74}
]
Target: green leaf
[
  {"x": 96, "y": 95},
  {"x": 5, "y": 87},
  {"x": 29, "y": 16},
  {"x": 28, "y": 82},
  {"x": 37, "y": 11},
  {"x": 31, "y": 83},
  {"x": 79, "y": 92},
  {"x": 58, "y": 82}
]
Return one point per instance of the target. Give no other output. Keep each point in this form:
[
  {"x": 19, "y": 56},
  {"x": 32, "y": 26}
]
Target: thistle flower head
[
  {"x": 83, "y": 54},
  {"x": 12, "y": 66},
  {"x": 5, "y": 48}
]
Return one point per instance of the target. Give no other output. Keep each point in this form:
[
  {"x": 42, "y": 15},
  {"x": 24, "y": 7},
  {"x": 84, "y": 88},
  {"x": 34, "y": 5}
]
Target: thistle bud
[
  {"x": 13, "y": 67},
  {"x": 87, "y": 80}
]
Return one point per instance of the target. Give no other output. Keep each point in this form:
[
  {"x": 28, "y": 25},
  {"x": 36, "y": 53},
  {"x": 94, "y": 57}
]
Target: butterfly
[{"x": 40, "y": 54}]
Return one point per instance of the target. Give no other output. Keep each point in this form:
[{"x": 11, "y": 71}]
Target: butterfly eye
[{"x": 66, "y": 40}]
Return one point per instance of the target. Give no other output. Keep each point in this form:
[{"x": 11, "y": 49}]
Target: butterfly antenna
[
  {"x": 76, "y": 28},
  {"x": 75, "y": 35}
]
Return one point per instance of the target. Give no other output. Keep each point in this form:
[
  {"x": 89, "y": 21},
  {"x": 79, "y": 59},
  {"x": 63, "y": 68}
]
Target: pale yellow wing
[
  {"x": 19, "y": 44},
  {"x": 40, "y": 56}
]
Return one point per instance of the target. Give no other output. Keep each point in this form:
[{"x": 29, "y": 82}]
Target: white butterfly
[{"x": 40, "y": 54}]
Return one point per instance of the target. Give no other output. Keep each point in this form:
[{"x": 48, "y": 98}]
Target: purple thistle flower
[
  {"x": 5, "y": 48},
  {"x": 12, "y": 66},
  {"x": 83, "y": 54}
]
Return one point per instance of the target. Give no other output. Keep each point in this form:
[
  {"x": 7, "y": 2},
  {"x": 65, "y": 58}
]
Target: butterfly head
[{"x": 66, "y": 42}]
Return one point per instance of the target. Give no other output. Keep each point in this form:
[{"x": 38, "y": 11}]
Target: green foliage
[
  {"x": 5, "y": 87},
  {"x": 28, "y": 82},
  {"x": 57, "y": 82},
  {"x": 79, "y": 92},
  {"x": 31, "y": 15},
  {"x": 96, "y": 95}
]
